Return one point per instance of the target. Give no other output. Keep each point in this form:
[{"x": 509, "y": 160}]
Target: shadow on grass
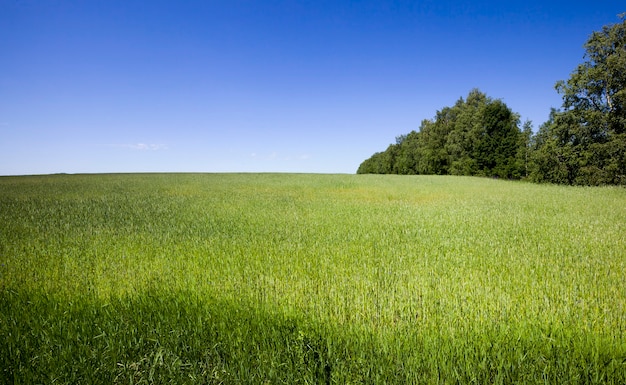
[{"x": 159, "y": 337}]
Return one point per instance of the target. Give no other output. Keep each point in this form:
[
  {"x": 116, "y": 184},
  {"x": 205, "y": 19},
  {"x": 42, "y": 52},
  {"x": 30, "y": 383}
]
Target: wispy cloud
[
  {"x": 142, "y": 146},
  {"x": 151, "y": 146}
]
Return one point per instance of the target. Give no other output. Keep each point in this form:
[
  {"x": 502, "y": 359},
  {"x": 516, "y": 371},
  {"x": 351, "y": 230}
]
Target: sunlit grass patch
[{"x": 231, "y": 278}]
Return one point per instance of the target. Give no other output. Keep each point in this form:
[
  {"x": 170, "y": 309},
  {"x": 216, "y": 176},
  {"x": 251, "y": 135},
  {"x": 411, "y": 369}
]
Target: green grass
[{"x": 286, "y": 278}]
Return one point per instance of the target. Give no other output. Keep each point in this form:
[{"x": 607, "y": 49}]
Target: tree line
[{"x": 582, "y": 143}]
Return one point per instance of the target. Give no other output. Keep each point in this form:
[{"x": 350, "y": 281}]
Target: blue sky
[{"x": 264, "y": 86}]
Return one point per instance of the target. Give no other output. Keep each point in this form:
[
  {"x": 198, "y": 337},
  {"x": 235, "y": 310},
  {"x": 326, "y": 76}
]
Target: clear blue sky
[{"x": 255, "y": 86}]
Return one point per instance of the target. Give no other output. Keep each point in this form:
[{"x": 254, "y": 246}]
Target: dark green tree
[
  {"x": 431, "y": 152},
  {"x": 551, "y": 156},
  {"x": 462, "y": 141},
  {"x": 379, "y": 163},
  {"x": 406, "y": 157},
  {"x": 370, "y": 165},
  {"x": 498, "y": 142},
  {"x": 586, "y": 139},
  {"x": 525, "y": 148},
  {"x": 476, "y": 136}
]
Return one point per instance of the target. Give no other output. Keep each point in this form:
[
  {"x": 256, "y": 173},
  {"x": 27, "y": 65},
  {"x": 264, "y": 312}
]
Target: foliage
[
  {"x": 585, "y": 142},
  {"x": 477, "y": 136},
  {"x": 266, "y": 278},
  {"x": 582, "y": 144}
]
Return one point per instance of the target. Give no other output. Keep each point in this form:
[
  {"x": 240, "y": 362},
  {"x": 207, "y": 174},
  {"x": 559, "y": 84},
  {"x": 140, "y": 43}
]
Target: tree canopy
[
  {"x": 476, "y": 136},
  {"x": 583, "y": 143}
]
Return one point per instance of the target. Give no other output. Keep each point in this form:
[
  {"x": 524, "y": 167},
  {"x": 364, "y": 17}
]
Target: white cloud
[{"x": 143, "y": 146}]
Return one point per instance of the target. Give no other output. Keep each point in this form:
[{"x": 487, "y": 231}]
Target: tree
[
  {"x": 525, "y": 149},
  {"x": 431, "y": 153},
  {"x": 461, "y": 142},
  {"x": 379, "y": 163},
  {"x": 406, "y": 158},
  {"x": 585, "y": 140},
  {"x": 476, "y": 136},
  {"x": 498, "y": 142},
  {"x": 551, "y": 156},
  {"x": 596, "y": 91}
]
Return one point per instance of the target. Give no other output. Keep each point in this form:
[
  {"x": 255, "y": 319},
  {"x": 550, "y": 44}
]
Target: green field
[{"x": 310, "y": 279}]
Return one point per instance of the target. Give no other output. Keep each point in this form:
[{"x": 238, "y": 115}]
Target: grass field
[{"x": 310, "y": 279}]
